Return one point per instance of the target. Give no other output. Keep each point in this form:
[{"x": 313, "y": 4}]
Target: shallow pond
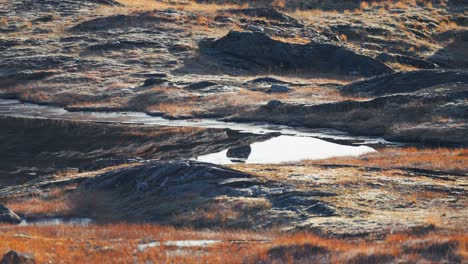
[
  {"x": 292, "y": 144},
  {"x": 284, "y": 149}
]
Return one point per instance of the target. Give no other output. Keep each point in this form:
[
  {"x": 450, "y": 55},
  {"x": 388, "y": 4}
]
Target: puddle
[
  {"x": 284, "y": 149},
  {"x": 179, "y": 244},
  {"x": 57, "y": 221}
]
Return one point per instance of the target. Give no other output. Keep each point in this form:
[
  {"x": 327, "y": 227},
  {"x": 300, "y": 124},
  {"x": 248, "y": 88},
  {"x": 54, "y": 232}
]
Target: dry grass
[
  {"x": 227, "y": 212},
  {"x": 150, "y": 5},
  {"x": 224, "y": 102},
  {"x": 42, "y": 206},
  {"x": 117, "y": 243},
  {"x": 443, "y": 159},
  {"x": 175, "y": 108}
]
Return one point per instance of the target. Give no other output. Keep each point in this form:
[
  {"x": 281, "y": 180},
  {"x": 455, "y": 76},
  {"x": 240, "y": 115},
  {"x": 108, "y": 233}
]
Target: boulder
[
  {"x": 153, "y": 81},
  {"x": 8, "y": 216},
  {"x": 200, "y": 85},
  {"x": 119, "y": 22},
  {"x": 277, "y": 88},
  {"x": 268, "y": 80},
  {"x": 239, "y": 153},
  {"x": 259, "y": 50},
  {"x": 405, "y": 82},
  {"x": 452, "y": 56},
  {"x": 273, "y": 103},
  {"x": 12, "y": 257}
]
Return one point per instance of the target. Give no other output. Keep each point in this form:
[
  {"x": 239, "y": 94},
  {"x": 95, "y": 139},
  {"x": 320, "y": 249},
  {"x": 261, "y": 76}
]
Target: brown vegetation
[
  {"x": 117, "y": 243},
  {"x": 442, "y": 159}
]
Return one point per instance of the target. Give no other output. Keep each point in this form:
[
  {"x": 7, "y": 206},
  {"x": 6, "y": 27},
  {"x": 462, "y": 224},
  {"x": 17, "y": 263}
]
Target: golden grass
[
  {"x": 39, "y": 206},
  {"x": 117, "y": 243},
  {"x": 150, "y": 5},
  {"x": 174, "y": 108},
  {"x": 231, "y": 102},
  {"x": 443, "y": 159}
]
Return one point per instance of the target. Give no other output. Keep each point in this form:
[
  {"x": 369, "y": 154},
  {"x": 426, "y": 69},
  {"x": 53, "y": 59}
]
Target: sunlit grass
[
  {"x": 444, "y": 159},
  {"x": 117, "y": 243}
]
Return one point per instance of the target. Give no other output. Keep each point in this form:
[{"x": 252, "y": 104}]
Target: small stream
[{"x": 291, "y": 144}]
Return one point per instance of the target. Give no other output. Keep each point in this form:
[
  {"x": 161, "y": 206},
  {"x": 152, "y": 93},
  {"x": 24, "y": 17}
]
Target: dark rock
[
  {"x": 47, "y": 18},
  {"x": 200, "y": 85},
  {"x": 30, "y": 63},
  {"x": 265, "y": 12},
  {"x": 180, "y": 47},
  {"x": 461, "y": 20},
  {"x": 153, "y": 81},
  {"x": 407, "y": 60},
  {"x": 304, "y": 253},
  {"x": 223, "y": 19},
  {"x": 12, "y": 257},
  {"x": 452, "y": 56},
  {"x": 373, "y": 258},
  {"x": 23, "y": 77},
  {"x": 262, "y": 51},
  {"x": 274, "y": 103},
  {"x": 294, "y": 200},
  {"x": 268, "y": 80},
  {"x": 151, "y": 75},
  {"x": 8, "y": 216},
  {"x": 6, "y": 44},
  {"x": 276, "y": 88},
  {"x": 142, "y": 186},
  {"x": 404, "y": 82},
  {"x": 321, "y": 209},
  {"x": 239, "y": 153},
  {"x": 119, "y": 22}
]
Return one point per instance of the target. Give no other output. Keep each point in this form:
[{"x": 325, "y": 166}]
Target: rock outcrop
[
  {"x": 261, "y": 51},
  {"x": 8, "y": 216},
  {"x": 13, "y": 257},
  {"x": 171, "y": 191},
  {"x": 268, "y": 13},
  {"x": 405, "y": 82}
]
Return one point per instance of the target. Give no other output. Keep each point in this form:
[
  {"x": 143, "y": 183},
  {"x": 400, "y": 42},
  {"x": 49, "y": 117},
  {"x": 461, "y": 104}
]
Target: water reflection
[
  {"x": 284, "y": 149},
  {"x": 239, "y": 154}
]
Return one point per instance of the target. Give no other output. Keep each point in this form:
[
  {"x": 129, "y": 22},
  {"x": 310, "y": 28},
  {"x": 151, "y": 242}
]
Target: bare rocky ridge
[{"x": 258, "y": 49}]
